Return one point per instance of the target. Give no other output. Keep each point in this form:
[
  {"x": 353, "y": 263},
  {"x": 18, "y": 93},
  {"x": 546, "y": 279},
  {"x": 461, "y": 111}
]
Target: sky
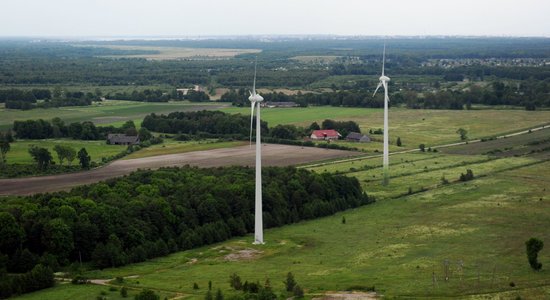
[{"x": 104, "y": 18}]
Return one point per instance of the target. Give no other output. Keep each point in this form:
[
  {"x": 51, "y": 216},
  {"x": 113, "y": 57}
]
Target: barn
[
  {"x": 122, "y": 139},
  {"x": 326, "y": 134}
]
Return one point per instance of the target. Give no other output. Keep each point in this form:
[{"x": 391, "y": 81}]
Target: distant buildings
[
  {"x": 270, "y": 104},
  {"x": 327, "y": 134},
  {"x": 122, "y": 139},
  {"x": 358, "y": 137},
  {"x": 184, "y": 92}
]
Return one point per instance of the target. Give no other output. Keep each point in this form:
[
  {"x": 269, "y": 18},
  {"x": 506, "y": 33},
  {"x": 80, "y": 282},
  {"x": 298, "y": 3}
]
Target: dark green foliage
[
  {"x": 398, "y": 143},
  {"x": 152, "y": 213},
  {"x": 147, "y": 295},
  {"x": 40, "y": 277},
  {"x": 466, "y": 177},
  {"x": 290, "y": 282},
  {"x": 219, "y": 295},
  {"x": 208, "y": 295},
  {"x": 298, "y": 291},
  {"x": 84, "y": 159},
  {"x": 343, "y": 220},
  {"x": 5, "y": 140},
  {"x": 235, "y": 281},
  {"x": 422, "y": 147},
  {"x": 287, "y": 132},
  {"x": 533, "y": 247},
  {"x": 343, "y": 127},
  {"x": 195, "y": 286},
  {"x": 124, "y": 292},
  {"x": 463, "y": 134},
  {"x": 79, "y": 279},
  {"x": 41, "y": 156},
  {"x": 203, "y": 123}
]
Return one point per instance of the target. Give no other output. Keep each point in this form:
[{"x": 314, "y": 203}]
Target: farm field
[
  {"x": 470, "y": 229},
  {"x": 96, "y": 149},
  {"x": 430, "y": 127},
  {"x": 168, "y": 53},
  {"x": 510, "y": 146},
  {"x": 109, "y": 112},
  {"x": 170, "y": 146}
]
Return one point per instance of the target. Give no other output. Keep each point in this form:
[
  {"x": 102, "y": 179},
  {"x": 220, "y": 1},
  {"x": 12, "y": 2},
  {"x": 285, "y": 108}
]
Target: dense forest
[
  {"x": 27, "y": 99},
  {"x": 203, "y": 123},
  {"x": 152, "y": 213}
]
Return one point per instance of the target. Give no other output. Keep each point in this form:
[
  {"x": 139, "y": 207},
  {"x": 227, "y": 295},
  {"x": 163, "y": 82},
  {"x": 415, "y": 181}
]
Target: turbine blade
[
  {"x": 251, "y": 121},
  {"x": 254, "y": 86},
  {"x": 383, "y": 58},
  {"x": 377, "y": 87}
]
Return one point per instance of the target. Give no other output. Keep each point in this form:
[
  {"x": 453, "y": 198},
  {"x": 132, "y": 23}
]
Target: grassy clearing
[
  {"x": 69, "y": 291},
  {"x": 399, "y": 246},
  {"x": 519, "y": 144},
  {"x": 96, "y": 149},
  {"x": 173, "y": 147},
  {"x": 430, "y": 127},
  {"x": 102, "y": 113}
]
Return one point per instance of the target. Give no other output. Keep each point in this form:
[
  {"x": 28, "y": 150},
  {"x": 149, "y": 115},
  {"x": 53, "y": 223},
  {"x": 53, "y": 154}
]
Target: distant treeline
[
  {"x": 527, "y": 94},
  {"x": 206, "y": 122},
  {"x": 153, "y": 213},
  {"x": 159, "y": 96},
  {"x": 42, "y": 129},
  {"x": 27, "y": 99}
]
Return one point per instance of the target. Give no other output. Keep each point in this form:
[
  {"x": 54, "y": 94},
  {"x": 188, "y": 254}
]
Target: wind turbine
[
  {"x": 254, "y": 100},
  {"x": 384, "y": 83}
]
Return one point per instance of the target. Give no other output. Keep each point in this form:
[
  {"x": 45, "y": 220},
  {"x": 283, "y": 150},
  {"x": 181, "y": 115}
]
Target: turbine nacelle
[
  {"x": 384, "y": 78},
  {"x": 255, "y": 98}
]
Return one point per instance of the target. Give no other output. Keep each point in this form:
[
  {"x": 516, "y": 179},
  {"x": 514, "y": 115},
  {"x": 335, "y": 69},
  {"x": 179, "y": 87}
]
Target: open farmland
[
  {"x": 430, "y": 127},
  {"x": 169, "y": 53},
  {"x": 96, "y": 149},
  {"x": 535, "y": 142},
  {"x": 107, "y": 112},
  {"x": 273, "y": 155}
]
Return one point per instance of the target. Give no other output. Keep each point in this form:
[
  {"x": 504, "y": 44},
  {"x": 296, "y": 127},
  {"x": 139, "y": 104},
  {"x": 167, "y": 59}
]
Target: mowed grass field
[
  {"x": 430, "y": 127},
  {"x": 109, "y": 112},
  {"x": 462, "y": 239},
  {"x": 19, "y": 152},
  {"x": 171, "y": 146}
]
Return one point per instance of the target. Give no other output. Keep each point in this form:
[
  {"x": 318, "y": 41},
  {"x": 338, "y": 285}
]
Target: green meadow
[
  {"x": 461, "y": 239},
  {"x": 19, "y": 152},
  {"x": 108, "y": 112}
]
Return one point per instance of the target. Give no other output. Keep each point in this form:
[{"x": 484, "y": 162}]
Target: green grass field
[
  {"x": 401, "y": 246},
  {"x": 430, "y": 127},
  {"x": 172, "y": 147},
  {"x": 109, "y": 112},
  {"x": 96, "y": 149}
]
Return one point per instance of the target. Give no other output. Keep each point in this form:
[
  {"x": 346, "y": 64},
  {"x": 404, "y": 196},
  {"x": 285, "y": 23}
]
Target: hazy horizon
[{"x": 192, "y": 18}]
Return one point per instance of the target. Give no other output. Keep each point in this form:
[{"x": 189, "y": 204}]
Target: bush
[
  {"x": 533, "y": 246},
  {"x": 298, "y": 291},
  {"x": 147, "y": 295}
]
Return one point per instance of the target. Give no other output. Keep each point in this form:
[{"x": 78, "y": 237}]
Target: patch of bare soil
[{"x": 242, "y": 254}]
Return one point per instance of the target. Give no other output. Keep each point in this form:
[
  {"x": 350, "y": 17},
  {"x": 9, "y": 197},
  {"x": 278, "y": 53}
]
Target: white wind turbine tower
[
  {"x": 258, "y": 222},
  {"x": 384, "y": 83}
]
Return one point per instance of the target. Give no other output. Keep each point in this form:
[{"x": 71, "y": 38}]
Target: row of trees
[
  {"x": 44, "y": 159},
  {"x": 153, "y": 213},
  {"x": 27, "y": 99},
  {"x": 529, "y": 94},
  {"x": 56, "y": 128},
  {"x": 204, "y": 122}
]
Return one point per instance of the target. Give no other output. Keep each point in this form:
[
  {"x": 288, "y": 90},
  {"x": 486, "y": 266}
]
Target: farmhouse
[
  {"x": 327, "y": 134},
  {"x": 271, "y": 104},
  {"x": 358, "y": 137},
  {"x": 122, "y": 139},
  {"x": 184, "y": 92}
]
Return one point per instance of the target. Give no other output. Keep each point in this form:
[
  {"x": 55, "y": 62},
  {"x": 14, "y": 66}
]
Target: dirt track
[{"x": 272, "y": 155}]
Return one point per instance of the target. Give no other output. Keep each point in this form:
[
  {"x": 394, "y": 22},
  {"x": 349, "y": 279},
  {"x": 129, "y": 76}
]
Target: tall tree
[{"x": 84, "y": 158}]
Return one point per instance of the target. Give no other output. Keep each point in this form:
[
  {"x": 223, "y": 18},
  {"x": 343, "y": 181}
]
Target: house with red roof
[{"x": 326, "y": 134}]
